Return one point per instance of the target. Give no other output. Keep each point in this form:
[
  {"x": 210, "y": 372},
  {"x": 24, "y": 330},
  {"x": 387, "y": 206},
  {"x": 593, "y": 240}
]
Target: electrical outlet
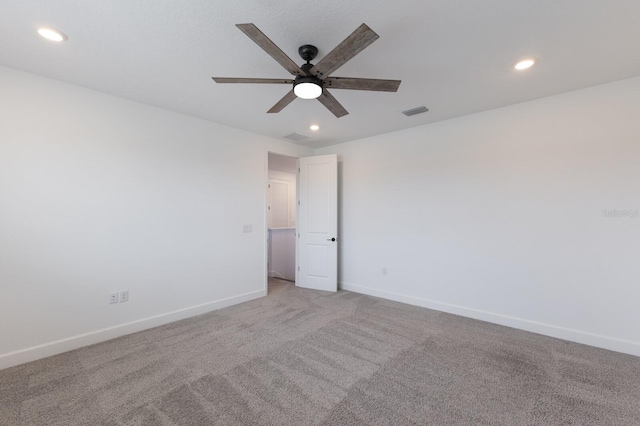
[
  {"x": 124, "y": 296},
  {"x": 246, "y": 228},
  {"x": 113, "y": 298},
  {"x": 384, "y": 271}
]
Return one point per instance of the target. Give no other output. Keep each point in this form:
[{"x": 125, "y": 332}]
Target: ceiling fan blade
[
  {"x": 362, "y": 37},
  {"x": 270, "y": 47},
  {"x": 252, "y": 80},
  {"x": 332, "y": 104},
  {"x": 286, "y": 100},
  {"x": 362, "y": 84}
]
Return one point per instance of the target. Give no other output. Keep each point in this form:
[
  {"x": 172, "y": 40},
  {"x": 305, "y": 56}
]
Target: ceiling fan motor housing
[
  {"x": 308, "y": 52},
  {"x": 307, "y": 86}
]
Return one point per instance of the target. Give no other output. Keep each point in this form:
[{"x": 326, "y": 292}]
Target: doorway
[{"x": 281, "y": 221}]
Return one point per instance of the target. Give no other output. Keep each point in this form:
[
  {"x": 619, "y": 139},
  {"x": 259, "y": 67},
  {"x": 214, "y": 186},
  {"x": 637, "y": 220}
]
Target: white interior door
[
  {"x": 317, "y": 245},
  {"x": 278, "y": 203}
]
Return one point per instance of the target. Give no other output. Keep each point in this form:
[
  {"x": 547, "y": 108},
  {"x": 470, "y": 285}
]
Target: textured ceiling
[{"x": 453, "y": 56}]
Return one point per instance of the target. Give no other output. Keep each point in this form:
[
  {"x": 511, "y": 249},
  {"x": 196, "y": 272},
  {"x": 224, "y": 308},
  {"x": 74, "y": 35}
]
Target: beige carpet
[{"x": 301, "y": 357}]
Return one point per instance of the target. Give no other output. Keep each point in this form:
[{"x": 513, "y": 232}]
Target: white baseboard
[
  {"x": 53, "y": 348},
  {"x": 591, "y": 339}
]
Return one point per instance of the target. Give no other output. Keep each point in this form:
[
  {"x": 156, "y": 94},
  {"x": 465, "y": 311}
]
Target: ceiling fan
[{"x": 312, "y": 81}]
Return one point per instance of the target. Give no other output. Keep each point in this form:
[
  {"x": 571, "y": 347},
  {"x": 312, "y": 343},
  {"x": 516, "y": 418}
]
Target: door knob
[{"x": 331, "y": 239}]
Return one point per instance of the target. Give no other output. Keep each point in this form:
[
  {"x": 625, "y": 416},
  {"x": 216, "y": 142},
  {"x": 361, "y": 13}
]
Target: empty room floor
[{"x": 303, "y": 357}]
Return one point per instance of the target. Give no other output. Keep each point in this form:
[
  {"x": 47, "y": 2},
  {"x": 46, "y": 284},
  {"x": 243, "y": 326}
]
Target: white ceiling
[{"x": 453, "y": 56}]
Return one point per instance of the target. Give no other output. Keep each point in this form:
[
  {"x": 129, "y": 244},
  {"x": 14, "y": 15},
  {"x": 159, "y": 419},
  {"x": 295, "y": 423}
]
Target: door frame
[{"x": 266, "y": 215}]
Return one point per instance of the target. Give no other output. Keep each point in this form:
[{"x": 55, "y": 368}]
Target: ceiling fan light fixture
[
  {"x": 310, "y": 80},
  {"x": 307, "y": 87}
]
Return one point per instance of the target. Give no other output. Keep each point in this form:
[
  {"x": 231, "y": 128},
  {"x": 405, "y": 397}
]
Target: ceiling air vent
[
  {"x": 296, "y": 137},
  {"x": 415, "y": 111}
]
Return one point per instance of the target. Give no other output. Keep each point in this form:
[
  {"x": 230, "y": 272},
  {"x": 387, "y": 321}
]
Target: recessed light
[
  {"x": 314, "y": 127},
  {"x": 524, "y": 64},
  {"x": 52, "y": 34}
]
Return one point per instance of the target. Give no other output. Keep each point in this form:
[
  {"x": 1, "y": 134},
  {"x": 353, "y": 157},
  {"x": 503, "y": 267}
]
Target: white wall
[
  {"x": 99, "y": 194},
  {"x": 499, "y": 215},
  {"x": 283, "y": 163}
]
